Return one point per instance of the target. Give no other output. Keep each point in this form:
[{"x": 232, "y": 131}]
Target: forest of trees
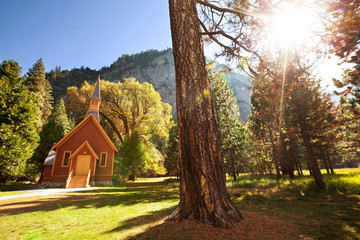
[{"x": 294, "y": 124}]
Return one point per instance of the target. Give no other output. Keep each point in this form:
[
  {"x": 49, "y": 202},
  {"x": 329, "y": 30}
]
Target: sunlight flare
[{"x": 292, "y": 24}]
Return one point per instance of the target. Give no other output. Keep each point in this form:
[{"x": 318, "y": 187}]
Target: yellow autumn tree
[{"x": 127, "y": 107}]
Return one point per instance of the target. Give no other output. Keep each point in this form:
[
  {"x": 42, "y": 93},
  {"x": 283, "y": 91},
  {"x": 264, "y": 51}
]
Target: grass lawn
[
  {"x": 106, "y": 213},
  {"x": 285, "y": 209},
  {"x": 330, "y": 214}
]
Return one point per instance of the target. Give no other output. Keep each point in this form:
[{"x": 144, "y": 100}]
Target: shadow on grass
[
  {"x": 133, "y": 193},
  {"x": 330, "y": 214},
  {"x": 18, "y": 187},
  {"x": 142, "y": 220}
]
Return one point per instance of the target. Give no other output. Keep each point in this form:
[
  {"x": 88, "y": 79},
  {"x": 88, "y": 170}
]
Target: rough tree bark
[
  {"x": 329, "y": 162},
  {"x": 274, "y": 156},
  {"x": 203, "y": 193},
  {"x": 314, "y": 165}
]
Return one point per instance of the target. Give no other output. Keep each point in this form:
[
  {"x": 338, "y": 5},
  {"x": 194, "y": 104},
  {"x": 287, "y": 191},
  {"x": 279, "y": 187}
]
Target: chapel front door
[{"x": 82, "y": 165}]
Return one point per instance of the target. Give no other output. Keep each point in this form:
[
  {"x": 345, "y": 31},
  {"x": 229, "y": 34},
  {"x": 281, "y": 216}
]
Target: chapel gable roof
[
  {"x": 85, "y": 144},
  {"x": 90, "y": 117}
]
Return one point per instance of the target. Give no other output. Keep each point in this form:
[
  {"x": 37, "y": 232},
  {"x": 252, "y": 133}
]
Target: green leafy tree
[
  {"x": 42, "y": 91},
  {"x": 154, "y": 160},
  {"x": 18, "y": 136},
  {"x": 172, "y": 152},
  {"x": 57, "y": 126},
  {"x": 132, "y": 158}
]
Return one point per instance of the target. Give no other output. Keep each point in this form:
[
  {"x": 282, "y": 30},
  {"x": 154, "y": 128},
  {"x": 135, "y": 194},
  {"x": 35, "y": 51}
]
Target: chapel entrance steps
[{"x": 78, "y": 182}]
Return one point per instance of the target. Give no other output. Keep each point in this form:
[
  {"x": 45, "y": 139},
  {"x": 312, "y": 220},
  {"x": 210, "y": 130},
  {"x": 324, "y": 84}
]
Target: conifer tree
[
  {"x": 348, "y": 138},
  {"x": 132, "y": 156},
  {"x": 232, "y": 133},
  {"x": 42, "y": 90},
  {"x": 56, "y": 128},
  {"x": 172, "y": 152},
  {"x": 310, "y": 111},
  {"x": 18, "y": 137}
]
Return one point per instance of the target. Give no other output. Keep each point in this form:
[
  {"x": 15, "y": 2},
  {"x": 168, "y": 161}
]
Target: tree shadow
[
  {"x": 318, "y": 214},
  {"x": 153, "y": 216},
  {"x": 129, "y": 195}
]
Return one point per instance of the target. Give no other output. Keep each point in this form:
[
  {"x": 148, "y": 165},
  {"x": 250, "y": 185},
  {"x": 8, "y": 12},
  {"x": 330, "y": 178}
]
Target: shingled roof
[
  {"x": 96, "y": 93},
  {"x": 49, "y": 160},
  {"x": 95, "y": 113}
]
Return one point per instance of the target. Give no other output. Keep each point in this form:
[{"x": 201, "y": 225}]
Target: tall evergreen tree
[
  {"x": 132, "y": 159},
  {"x": 349, "y": 129},
  {"x": 264, "y": 124},
  {"x": 232, "y": 133},
  {"x": 57, "y": 126},
  {"x": 18, "y": 137},
  {"x": 344, "y": 29},
  {"x": 311, "y": 113},
  {"x": 172, "y": 152},
  {"x": 41, "y": 89}
]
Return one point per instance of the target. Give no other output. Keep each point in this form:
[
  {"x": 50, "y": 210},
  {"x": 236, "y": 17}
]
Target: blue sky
[{"x": 75, "y": 33}]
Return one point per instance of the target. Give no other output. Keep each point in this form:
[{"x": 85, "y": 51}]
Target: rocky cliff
[{"x": 155, "y": 67}]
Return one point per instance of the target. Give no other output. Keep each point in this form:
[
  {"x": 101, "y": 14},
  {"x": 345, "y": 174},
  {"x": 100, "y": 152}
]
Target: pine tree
[
  {"x": 311, "y": 113},
  {"x": 172, "y": 152},
  {"x": 132, "y": 160},
  {"x": 41, "y": 89},
  {"x": 18, "y": 137},
  {"x": 232, "y": 133},
  {"x": 264, "y": 124},
  {"x": 57, "y": 126},
  {"x": 348, "y": 138}
]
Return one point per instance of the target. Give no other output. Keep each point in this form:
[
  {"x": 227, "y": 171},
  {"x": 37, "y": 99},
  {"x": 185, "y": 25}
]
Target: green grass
[
  {"x": 126, "y": 211},
  {"x": 329, "y": 214},
  {"x": 106, "y": 213}
]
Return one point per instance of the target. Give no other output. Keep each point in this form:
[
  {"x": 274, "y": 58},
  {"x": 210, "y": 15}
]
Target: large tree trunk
[
  {"x": 314, "y": 165},
  {"x": 326, "y": 166},
  {"x": 302, "y": 174},
  {"x": 275, "y": 159},
  {"x": 203, "y": 193},
  {"x": 329, "y": 162},
  {"x": 309, "y": 167},
  {"x": 113, "y": 126}
]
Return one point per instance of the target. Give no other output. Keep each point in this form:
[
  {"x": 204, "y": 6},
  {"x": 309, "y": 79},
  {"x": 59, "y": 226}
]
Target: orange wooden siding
[
  {"x": 47, "y": 172},
  {"x": 88, "y": 132}
]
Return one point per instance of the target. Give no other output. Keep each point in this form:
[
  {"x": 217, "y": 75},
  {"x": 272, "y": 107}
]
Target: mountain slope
[{"x": 155, "y": 67}]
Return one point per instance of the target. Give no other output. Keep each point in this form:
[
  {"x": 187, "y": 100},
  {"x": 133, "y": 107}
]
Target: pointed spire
[
  {"x": 96, "y": 93},
  {"x": 95, "y": 101}
]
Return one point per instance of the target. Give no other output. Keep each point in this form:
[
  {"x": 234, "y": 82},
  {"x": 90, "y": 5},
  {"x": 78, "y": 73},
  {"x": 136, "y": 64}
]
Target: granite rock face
[{"x": 155, "y": 67}]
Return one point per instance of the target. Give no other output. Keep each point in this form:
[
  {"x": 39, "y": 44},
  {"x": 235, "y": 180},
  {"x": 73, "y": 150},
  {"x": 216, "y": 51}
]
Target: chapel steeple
[{"x": 95, "y": 101}]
